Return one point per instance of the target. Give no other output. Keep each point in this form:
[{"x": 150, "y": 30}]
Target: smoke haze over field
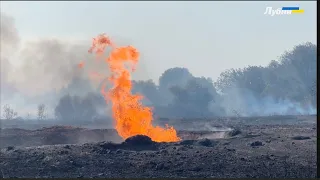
[
  {"x": 44, "y": 65},
  {"x": 43, "y": 70}
]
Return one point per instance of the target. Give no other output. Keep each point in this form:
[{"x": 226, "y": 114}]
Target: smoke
[
  {"x": 9, "y": 43},
  {"x": 239, "y": 102},
  {"x": 240, "y": 98},
  {"x": 42, "y": 69},
  {"x": 45, "y": 69}
]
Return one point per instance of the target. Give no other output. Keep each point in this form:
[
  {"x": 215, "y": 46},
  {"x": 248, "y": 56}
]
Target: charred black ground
[{"x": 247, "y": 150}]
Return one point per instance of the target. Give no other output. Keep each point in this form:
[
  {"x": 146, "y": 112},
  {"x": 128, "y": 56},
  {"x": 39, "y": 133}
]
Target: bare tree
[
  {"x": 42, "y": 112},
  {"x": 9, "y": 113}
]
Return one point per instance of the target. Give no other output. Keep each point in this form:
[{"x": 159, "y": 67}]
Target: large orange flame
[{"x": 131, "y": 117}]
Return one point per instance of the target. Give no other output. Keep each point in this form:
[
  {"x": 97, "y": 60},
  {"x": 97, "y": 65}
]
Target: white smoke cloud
[{"x": 42, "y": 65}]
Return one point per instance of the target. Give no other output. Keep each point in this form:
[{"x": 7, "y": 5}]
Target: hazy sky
[{"x": 205, "y": 37}]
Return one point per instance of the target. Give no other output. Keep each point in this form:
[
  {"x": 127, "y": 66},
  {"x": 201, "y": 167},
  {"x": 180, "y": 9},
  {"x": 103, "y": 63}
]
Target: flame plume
[{"x": 131, "y": 117}]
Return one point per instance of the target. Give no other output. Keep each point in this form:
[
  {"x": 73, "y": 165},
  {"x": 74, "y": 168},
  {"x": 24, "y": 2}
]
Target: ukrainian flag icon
[{"x": 294, "y": 10}]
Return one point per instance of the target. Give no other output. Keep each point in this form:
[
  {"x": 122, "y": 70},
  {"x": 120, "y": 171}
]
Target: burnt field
[{"x": 275, "y": 146}]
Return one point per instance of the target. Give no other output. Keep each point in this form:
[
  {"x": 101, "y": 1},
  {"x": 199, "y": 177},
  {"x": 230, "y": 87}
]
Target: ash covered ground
[{"x": 271, "y": 147}]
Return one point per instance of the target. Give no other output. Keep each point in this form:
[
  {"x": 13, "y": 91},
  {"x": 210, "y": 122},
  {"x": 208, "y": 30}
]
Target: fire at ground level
[{"x": 283, "y": 147}]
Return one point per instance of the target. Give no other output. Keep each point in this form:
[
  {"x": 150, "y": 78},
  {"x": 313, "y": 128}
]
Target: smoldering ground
[{"x": 271, "y": 151}]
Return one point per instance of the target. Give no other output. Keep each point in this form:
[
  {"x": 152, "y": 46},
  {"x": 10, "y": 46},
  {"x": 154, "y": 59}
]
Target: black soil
[{"x": 252, "y": 151}]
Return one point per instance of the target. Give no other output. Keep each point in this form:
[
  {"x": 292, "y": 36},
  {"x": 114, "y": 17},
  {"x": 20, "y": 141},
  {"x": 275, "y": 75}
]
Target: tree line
[{"x": 284, "y": 86}]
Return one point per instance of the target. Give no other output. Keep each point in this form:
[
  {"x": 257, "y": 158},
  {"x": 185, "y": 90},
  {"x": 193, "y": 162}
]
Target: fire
[
  {"x": 131, "y": 117},
  {"x": 81, "y": 64}
]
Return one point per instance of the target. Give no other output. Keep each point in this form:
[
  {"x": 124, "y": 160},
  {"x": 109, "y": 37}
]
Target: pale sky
[{"x": 205, "y": 37}]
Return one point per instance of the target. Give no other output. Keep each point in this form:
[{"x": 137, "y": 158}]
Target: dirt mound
[{"x": 139, "y": 140}]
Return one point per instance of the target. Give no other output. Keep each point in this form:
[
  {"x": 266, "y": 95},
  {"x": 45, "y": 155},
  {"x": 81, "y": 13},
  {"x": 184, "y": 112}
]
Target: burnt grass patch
[{"x": 263, "y": 156}]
